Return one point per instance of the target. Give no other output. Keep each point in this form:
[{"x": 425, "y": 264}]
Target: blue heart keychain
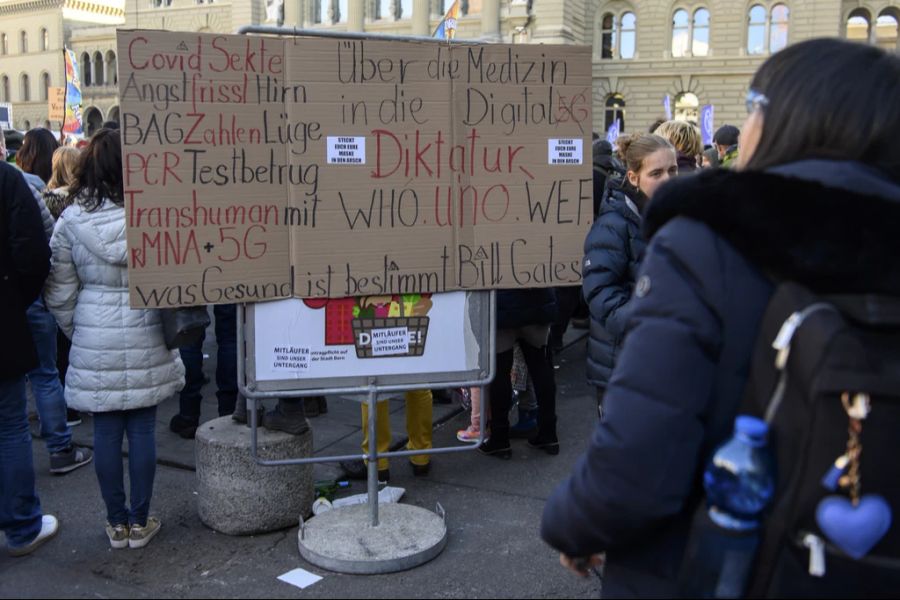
[
  {"x": 857, "y": 524},
  {"x": 854, "y": 529}
]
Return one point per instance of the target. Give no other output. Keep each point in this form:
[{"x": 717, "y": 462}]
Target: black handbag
[{"x": 183, "y": 326}]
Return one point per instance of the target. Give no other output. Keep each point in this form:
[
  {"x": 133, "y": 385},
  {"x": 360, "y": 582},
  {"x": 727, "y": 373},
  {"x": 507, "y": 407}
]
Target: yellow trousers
[{"x": 418, "y": 426}]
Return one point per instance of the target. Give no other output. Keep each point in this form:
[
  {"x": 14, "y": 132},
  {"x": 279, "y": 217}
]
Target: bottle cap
[{"x": 753, "y": 429}]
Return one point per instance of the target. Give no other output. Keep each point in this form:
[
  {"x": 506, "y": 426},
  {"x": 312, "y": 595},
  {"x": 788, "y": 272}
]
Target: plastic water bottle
[{"x": 739, "y": 483}]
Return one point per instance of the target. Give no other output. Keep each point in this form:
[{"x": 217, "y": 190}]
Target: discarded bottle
[
  {"x": 739, "y": 483},
  {"x": 328, "y": 488}
]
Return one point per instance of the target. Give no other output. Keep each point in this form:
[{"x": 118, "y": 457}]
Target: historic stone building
[{"x": 696, "y": 52}]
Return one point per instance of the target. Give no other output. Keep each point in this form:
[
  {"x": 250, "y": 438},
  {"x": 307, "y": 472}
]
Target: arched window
[
  {"x": 687, "y": 107},
  {"x": 45, "y": 86},
  {"x": 45, "y": 40},
  {"x": 26, "y": 124},
  {"x": 616, "y": 35},
  {"x": 886, "y": 29},
  {"x": 25, "y": 95},
  {"x": 4, "y": 44},
  {"x": 778, "y": 30},
  {"x": 681, "y": 33},
  {"x": 98, "y": 68},
  {"x": 756, "y": 30},
  {"x": 384, "y": 9},
  {"x": 608, "y": 35},
  {"x": 859, "y": 25},
  {"x": 112, "y": 75},
  {"x": 629, "y": 35},
  {"x": 615, "y": 111},
  {"x": 85, "y": 69},
  {"x": 23, "y": 42},
  {"x": 4, "y": 88},
  {"x": 700, "y": 37}
]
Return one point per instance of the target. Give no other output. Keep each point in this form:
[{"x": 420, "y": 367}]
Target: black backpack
[{"x": 833, "y": 353}]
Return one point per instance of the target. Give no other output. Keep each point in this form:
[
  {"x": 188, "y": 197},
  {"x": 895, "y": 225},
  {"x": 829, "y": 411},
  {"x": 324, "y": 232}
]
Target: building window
[
  {"x": 756, "y": 31},
  {"x": 112, "y": 75},
  {"x": 767, "y": 31},
  {"x": 45, "y": 40},
  {"x": 160, "y": 3},
  {"x": 681, "y": 33},
  {"x": 23, "y": 42},
  {"x": 470, "y": 7},
  {"x": 25, "y": 95},
  {"x": 98, "y": 69},
  {"x": 629, "y": 35},
  {"x": 4, "y": 44},
  {"x": 4, "y": 84},
  {"x": 617, "y": 35},
  {"x": 778, "y": 30},
  {"x": 858, "y": 25},
  {"x": 45, "y": 86},
  {"x": 886, "y": 29},
  {"x": 687, "y": 108},
  {"x": 85, "y": 69},
  {"x": 385, "y": 10},
  {"x": 615, "y": 111},
  {"x": 700, "y": 34},
  {"x": 406, "y": 9},
  {"x": 26, "y": 124},
  {"x": 608, "y": 36}
]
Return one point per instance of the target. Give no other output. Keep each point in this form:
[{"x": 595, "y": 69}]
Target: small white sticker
[
  {"x": 390, "y": 342},
  {"x": 290, "y": 358},
  {"x": 346, "y": 150},
  {"x": 565, "y": 151},
  {"x": 300, "y": 578}
]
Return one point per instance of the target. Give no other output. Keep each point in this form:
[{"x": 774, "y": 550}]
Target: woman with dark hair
[
  {"x": 817, "y": 188},
  {"x": 36, "y": 154},
  {"x": 119, "y": 366}
]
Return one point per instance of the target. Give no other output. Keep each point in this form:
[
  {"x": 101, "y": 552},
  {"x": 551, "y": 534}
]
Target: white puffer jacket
[{"x": 118, "y": 360}]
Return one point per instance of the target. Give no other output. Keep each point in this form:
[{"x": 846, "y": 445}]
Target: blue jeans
[
  {"x": 109, "y": 430},
  {"x": 48, "y": 391},
  {"x": 226, "y": 366},
  {"x": 20, "y": 508}
]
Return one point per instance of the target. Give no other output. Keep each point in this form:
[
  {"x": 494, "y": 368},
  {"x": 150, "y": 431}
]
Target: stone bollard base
[{"x": 236, "y": 496}]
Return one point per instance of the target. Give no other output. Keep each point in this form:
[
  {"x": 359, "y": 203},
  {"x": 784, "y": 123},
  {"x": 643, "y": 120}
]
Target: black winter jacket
[
  {"x": 24, "y": 264},
  {"x": 681, "y": 374},
  {"x": 522, "y": 307},
  {"x": 613, "y": 251}
]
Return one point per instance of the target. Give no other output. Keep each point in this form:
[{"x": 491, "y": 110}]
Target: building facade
[{"x": 696, "y": 52}]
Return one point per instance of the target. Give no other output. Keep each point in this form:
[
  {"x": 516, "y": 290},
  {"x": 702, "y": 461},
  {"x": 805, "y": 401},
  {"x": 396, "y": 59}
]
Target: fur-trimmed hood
[{"x": 832, "y": 226}]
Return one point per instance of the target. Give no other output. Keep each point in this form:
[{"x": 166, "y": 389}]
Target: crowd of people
[{"x": 674, "y": 289}]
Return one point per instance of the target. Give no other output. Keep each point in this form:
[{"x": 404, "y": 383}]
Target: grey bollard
[{"x": 236, "y": 496}]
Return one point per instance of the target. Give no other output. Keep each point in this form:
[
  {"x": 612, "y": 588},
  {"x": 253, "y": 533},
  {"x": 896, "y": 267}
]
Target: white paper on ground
[
  {"x": 300, "y": 578},
  {"x": 388, "y": 495}
]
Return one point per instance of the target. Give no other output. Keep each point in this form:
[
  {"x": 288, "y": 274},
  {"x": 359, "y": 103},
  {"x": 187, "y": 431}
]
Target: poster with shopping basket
[{"x": 331, "y": 338}]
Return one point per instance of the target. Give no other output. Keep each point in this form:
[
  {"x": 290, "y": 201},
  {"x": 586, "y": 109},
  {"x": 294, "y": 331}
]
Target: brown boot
[{"x": 289, "y": 416}]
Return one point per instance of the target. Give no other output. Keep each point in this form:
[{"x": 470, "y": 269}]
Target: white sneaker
[
  {"x": 49, "y": 527},
  {"x": 118, "y": 535},
  {"x": 140, "y": 536}
]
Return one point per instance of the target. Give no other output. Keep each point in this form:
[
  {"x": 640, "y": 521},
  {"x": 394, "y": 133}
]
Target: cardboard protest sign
[
  {"x": 56, "y": 103},
  {"x": 261, "y": 168}
]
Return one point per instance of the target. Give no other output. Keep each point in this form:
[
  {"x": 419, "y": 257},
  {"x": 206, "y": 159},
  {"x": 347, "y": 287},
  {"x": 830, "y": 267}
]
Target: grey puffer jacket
[{"x": 118, "y": 360}]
